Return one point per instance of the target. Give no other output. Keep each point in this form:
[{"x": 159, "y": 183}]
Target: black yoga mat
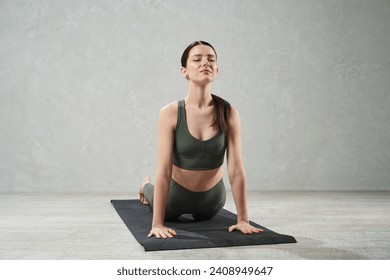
[{"x": 190, "y": 234}]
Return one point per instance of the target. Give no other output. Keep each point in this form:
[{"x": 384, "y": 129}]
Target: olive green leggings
[{"x": 202, "y": 205}]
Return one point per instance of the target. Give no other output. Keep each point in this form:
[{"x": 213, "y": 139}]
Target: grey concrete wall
[{"x": 81, "y": 83}]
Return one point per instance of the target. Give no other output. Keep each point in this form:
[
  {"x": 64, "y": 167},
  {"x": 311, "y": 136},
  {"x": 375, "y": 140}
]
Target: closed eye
[{"x": 198, "y": 57}]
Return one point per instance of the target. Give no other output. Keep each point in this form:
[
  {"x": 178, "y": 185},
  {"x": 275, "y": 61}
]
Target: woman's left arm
[{"x": 237, "y": 176}]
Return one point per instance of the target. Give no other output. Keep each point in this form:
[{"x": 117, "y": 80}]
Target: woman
[{"x": 193, "y": 135}]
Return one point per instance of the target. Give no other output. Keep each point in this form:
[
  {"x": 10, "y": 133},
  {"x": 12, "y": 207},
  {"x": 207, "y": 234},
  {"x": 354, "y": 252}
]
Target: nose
[{"x": 205, "y": 61}]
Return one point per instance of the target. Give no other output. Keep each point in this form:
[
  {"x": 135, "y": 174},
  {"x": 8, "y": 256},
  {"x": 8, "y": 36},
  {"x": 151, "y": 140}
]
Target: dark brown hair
[
  {"x": 221, "y": 107},
  {"x": 184, "y": 56}
]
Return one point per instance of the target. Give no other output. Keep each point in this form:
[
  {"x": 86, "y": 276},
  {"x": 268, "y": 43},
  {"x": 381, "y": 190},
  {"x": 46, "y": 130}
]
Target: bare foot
[{"x": 142, "y": 198}]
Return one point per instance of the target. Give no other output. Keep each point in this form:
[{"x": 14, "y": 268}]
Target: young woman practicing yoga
[{"x": 193, "y": 135}]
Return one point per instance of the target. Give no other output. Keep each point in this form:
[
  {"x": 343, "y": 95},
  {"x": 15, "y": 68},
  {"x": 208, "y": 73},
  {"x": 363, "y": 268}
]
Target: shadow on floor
[{"x": 311, "y": 249}]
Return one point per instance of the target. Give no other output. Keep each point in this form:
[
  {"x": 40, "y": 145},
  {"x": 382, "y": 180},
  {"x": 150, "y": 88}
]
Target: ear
[{"x": 184, "y": 72}]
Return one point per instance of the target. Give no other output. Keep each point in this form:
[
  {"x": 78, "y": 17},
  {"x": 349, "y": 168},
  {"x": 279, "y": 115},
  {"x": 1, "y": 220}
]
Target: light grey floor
[{"x": 327, "y": 225}]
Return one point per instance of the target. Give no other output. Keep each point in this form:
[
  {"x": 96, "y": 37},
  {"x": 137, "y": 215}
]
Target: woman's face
[{"x": 201, "y": 65}]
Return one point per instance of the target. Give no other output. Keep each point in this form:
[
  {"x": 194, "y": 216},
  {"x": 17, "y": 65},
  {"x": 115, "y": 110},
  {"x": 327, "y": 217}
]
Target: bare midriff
[{"x": 197, "y": 180}]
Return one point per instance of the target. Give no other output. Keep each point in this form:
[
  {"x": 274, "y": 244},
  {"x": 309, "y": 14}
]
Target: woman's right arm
[{"x": 166, "y": 126}]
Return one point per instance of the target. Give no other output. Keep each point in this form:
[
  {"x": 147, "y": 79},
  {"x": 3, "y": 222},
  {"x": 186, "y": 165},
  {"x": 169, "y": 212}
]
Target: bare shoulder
[
  {"x": 169, "y": 109},
  {"x": 234, "y": 117},
  {"x": 168, "y": 113}
]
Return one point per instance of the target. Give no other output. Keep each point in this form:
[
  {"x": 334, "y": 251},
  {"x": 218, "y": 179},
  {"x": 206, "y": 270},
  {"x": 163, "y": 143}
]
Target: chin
[{"x": 207, "y": 79}]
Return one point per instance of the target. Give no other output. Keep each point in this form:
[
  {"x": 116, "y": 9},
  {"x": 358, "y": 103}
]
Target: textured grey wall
[{"x": 81, "y": 83}]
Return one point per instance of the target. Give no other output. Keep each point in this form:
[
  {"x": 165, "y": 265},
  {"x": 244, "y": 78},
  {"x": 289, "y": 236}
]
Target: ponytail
[{"x": 222, "y": 110}]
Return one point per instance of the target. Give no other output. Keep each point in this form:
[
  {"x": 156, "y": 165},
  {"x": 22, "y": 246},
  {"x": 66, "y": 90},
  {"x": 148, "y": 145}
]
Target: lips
[{"x": 205, "y": 71}]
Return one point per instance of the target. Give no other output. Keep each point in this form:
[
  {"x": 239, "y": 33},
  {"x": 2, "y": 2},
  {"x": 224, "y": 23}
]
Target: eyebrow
[{"x": 208, "y": 55}]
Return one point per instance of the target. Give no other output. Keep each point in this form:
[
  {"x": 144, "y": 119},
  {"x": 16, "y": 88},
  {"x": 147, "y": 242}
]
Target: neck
[{"x": 199, "y": 96}]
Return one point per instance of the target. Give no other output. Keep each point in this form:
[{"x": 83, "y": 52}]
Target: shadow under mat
[{"x": 191, "y": 234}]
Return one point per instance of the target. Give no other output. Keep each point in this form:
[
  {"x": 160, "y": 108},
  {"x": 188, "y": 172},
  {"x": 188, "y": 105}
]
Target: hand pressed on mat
[
  {"x": 245, "y": 228},
  {"x": 162, "y": 232}
]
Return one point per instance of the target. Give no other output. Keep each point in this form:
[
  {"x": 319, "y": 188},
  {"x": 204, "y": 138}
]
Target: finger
[
  {"x": 231, "y": 228},
  {"x": 165, "y": 233},
  {"x": 253, "y": 230},
  {"x": 150, "y": 234},
  {"x": 170, "y": 233},
  {"x": 244, "y": 230},
  {"x": 257, "y": 230}
]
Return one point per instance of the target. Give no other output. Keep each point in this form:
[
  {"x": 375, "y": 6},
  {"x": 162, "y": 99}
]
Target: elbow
[
  {"x": 165, "y": 176},
  {"x": 164, "y": 173},
  {"x": 236, "y": 170},
  {"x": 237, "y": 175}
]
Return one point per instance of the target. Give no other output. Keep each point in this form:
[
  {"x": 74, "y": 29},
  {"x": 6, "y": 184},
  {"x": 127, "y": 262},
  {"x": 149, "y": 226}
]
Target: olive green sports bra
[{"x": 194, "y": 154}]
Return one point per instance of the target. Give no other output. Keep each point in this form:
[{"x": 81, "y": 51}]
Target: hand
[
  {"x": 162, "y": 232},
  {"x": 245, "y": 228}
]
